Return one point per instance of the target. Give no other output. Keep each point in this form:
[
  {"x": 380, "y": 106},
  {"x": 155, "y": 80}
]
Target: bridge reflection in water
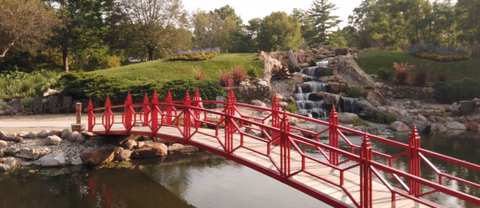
[{"x": 338, "y": 177}]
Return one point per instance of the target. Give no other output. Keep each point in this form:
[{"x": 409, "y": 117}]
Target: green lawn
[
  {"x": 371, "y": 61},
  {"x": 165, "y": 70}
]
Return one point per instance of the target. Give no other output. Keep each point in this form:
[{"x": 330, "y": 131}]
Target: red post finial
[
  {"x": 366, "y": 141},
  {"x": 231, "y": 96},
  {"x": 169, "y": 97},
  {"x": 107, "y": 102},
  {"x": 333, "y": 110},
  {"x": 275, "y": 99},
  {"x": 128, "y": 100},
  {"x": 155, "y": 97},
  {"x": 414, "y": 134},
  {"x": 145, "y": 99},
  {"x": 187, "y": 96},
  {"x": 90, "y": 105},
  {"x": 286, "y": 121},
  {"x": 196, "y": 95}
]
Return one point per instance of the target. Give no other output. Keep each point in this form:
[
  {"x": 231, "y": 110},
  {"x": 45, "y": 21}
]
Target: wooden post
[
  {"x": 128, "y": 113},
  {"x": 414, "y": 161},
  {"x": 187, "y": 117},
  {"x": 169, "y": 108},
  {"x": 285, "y": 146},
  {"x": 146, "y": 110},
  {"x": 90, "y": 116},
  {"x": 276, "y": 120},
  {"x": 366, "y": 174},
  {"x": 78, "y": 126},
  {"x": 229, "y": 126},
  {"x": 154, "y": 126},
  {"x": 333, "y": 135}
]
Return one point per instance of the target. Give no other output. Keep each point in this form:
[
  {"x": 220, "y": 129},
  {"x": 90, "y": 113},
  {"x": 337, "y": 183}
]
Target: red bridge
[{"x": 349, "y": 177}]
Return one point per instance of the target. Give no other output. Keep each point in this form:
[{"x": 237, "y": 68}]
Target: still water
[{"x": 201, "y": 180}]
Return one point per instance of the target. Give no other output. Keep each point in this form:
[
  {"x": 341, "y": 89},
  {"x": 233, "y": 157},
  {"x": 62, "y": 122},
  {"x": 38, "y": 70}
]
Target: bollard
[
  {"x": 78, "y": 126},
  {"x": 78, "y": 108}
]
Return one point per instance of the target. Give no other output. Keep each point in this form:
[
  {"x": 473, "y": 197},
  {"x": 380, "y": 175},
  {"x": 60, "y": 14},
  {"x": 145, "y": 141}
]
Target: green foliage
[
  {"x": 457, "y": 90},
  {"x": 21, "y": 84},
  {"x": 355, "y": 92},
  {"x": 278, "y": 31},
  {"x": 442, "y": 54},
  {"x": 195, "y": 54},
  {"x": 252, "y": 73},
  {"x": 321, "y": 12},
  {"x": 391, "y": 118},
  {"x": 27, "y": 102},
  {"x": 291, "y": 107},
  {"x": 4, "y": 106},
  {"x": 359, "y": 122}
]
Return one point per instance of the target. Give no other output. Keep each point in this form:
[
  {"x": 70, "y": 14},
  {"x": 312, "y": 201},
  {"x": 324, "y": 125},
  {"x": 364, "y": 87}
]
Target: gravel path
[{"x": 16, "y": 124}]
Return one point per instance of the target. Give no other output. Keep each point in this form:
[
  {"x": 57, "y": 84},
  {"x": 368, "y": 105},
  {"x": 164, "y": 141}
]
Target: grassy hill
[
  {"x": 372, "y": 61},
  {"x": 165, "y": 70}
]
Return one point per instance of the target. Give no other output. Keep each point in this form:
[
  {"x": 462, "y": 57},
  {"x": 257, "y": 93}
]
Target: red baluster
[
  {"x": 107, "y": 115},
  {"x": 366, "y": 174},
  {"x": 275, "y": 120},
  {"x": 146, "y": 110},
  {"x": 414, "y": 161},
  {"x": 333, "y": 135},
  {"x": 154, "y": 126},
  {"x": 229, "y": 126},
  {"x": 187, "y": 116},
  {"x": 128, "y": 113},
  {"x": 169, "y": 108},
  {"x": 197, "y": 102},
  {"x": 90, "y": 116},
  {"x": 285, "y": 146}
]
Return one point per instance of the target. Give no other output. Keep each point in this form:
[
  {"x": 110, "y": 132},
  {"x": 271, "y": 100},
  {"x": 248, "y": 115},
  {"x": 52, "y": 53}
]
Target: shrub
[
  {"x": 355, "y": 91},
  {"x": 341, "y": 51},
  {"x": 198, "y": 73},
  {"x": 208, "y": 89},
  {"x": 27, "y": 102},
  {"x": 291, "y": 107},
  {"x": 442, "y": 77},
  {"x": 381, "y": 118},
  {"x": 238, "y": 75},
  {"x": 421, "y": 78},
  {"x": 359, "y": 122},
  {"x": 226, "y": 79},
  {"x": 440, "y": 53},
  {"x": 114, "y": 61},
  {"x": 457, "y": 90},
  {"x": 391, "y": 118},
  {"x": 402, "y": 73},
  {"x": 385, "y": 74},
  {"x": 252, "y": 73}
]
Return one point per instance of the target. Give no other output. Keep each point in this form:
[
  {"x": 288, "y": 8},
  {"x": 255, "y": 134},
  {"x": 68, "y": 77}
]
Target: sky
[{"x": 249, "y": 9}]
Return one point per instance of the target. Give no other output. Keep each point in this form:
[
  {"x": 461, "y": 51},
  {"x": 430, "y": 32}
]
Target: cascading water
[{"x": 348, "y": 104}]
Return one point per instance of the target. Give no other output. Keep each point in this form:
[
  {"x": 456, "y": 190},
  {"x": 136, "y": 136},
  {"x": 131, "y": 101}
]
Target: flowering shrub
[
  {"x": 440, "y": 53},
  {"x": 402, "y": 73},
  {"x": 195, "y": 54}
]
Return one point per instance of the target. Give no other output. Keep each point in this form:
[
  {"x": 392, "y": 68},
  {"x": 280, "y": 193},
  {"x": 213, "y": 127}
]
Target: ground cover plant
[
  {"x": 195, "y": 54},
  {"x": 22, "y": 84},
  {"x": 439, "y": 53}
]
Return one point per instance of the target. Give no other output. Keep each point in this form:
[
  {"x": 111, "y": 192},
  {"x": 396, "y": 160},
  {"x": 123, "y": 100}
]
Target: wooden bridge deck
[{"x": 381, "y": 195}]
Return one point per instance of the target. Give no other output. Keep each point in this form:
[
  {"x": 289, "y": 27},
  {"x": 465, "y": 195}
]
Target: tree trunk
[
  {"x": 65, "y": 59},
  {"x": 150, "y": 52}
]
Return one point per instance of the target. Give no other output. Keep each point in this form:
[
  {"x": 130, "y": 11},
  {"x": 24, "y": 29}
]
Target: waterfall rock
[
  {"x": 347, "y": 117},
  {"x": 456, "y": 126},
  {"x": 299, "y": 78},
  {"x": 292, "y": 59},
  {"x": 3, "y": 144},
  {"x": 331, "y": 99},
  {"x": 377, "y": 97},
  {"x": 399, "y": 126}
]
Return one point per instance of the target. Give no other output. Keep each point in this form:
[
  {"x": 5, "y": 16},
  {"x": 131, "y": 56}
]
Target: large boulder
[
  {"x": 53, "y": 140},
  {"x": 32, "y": 135},
  {"x": 43, "y": 134},
  {"x": 96, "y": 157},
  {"x": 77, "y": 160},
  {"x": 292, "y": 59},
  {"x": 52, "y": 160},
  {"x": 456, "y": 126},
  {"x": 2, "y": 152},
  {"x": 123, "y": 155},
  {"x": 31, "y": 154},
  {"x": 2, "y": 134},
  {"x": 150, "y": 150},
  {"x": 466, "y": 107},
  {"x": 376, "y": 97},
  {"x": 65, "y": 133},
  {"x": 347, "y": 117},
  {"x": 331, "y": 99},
  {"x": 399, "y": 126},
  {"x": 129, "y": 144}
]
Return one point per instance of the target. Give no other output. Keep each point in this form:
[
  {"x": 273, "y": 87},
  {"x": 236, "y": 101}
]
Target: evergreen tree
[{"x": 324, "y": 21}]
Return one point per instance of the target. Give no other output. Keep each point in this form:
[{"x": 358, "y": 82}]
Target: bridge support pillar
[
  {"x": 229, "y": 122},
  {"x": 333, "y": 135},
  {"x": 107, "y": 116},
  {"x": 366, "y": 174},
  {"x": 285, "y": 146},
  {"x": 187, "y": 117},
  {"x": 276, "y": 121},
  {"x": 414, "y": 161},
  {"x": 169, "y": 108},
  {"x": 127, "y": 114},
  {"x": 154, "y": 115},
  {"x": 146, "y": 111},
  {"x": 91, "y": 116}
]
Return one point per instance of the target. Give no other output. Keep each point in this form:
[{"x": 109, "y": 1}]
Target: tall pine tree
[{"x": 324, "y": 21}]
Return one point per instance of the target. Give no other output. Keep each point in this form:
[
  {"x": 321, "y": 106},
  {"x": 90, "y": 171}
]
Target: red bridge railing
[{"x": 188, "y": 116}]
